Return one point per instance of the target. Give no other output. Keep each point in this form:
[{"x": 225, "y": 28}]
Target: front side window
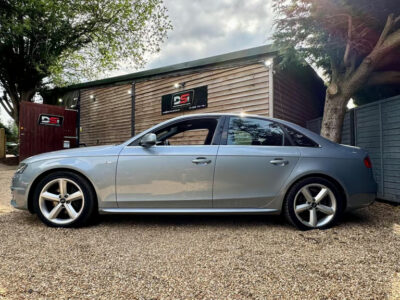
[
  {"x": 189, "y": 132},
  {"x": 254, "y": 132}
]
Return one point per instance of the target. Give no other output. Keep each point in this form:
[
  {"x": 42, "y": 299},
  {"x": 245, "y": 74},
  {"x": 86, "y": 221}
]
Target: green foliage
[
  {"x": 11, "y": 132},
  {"x": 318, "y": 30},
  {"x": 64, "y": 41}
]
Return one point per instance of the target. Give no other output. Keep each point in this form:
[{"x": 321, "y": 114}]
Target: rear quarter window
[{"x": 299, "y": 139}]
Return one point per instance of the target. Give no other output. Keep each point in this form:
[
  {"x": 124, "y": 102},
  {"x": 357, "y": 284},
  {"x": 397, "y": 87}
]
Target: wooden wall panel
[
  {"x": 233, "y": 89},
  {"x": 107, "y": 120},
  {"x": 294, "y": 102}
]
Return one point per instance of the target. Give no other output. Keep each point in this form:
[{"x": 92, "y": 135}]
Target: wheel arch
[
  {"x": 334, "y": 181},
  {"x": 47, "y": 172}
]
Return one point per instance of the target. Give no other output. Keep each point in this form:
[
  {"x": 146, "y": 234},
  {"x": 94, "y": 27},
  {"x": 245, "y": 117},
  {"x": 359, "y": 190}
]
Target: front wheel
[
  {"x": 313, "y": 203},
  {"x": 64, "y": 199}
]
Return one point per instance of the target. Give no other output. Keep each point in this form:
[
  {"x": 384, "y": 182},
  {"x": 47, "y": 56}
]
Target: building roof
[{"x": 213, "y": 60}]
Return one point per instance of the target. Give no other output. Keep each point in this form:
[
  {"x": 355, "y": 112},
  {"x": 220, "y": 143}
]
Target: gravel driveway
[{"x": 237, "y": 257}]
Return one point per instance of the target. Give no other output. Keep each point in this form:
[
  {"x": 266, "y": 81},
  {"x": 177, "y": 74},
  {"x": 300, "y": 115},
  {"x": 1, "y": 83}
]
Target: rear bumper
[{"x": 360, "y": 200}]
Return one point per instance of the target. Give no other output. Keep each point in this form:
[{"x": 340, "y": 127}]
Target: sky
[{"x": 204, "y": 28}]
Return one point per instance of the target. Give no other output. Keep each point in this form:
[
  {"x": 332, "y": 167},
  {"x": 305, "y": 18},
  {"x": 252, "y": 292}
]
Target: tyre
[
  {"x": 64, "y": 199},
  {"x": 312, "y": 203}
]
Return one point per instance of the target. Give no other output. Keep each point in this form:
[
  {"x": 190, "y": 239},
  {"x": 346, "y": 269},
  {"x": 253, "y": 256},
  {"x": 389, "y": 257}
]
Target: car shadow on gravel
[
  {"x": 192, "y": 220},
  {"x": 378, "y": 214},
  {"x": 357, "y": 218}
]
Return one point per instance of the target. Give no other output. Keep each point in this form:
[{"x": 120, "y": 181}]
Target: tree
[
  {"x": 47, "y": 42},
  {"x": 356, "y": 42}
]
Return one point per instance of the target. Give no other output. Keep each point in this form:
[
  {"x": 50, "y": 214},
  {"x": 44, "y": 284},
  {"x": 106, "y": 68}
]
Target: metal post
[
  {"x": 78, "y": 118},
  {"x": 133, "y": 109},
  {"x": 352, "y": 128},
  {"x": 381, "y": 147}
]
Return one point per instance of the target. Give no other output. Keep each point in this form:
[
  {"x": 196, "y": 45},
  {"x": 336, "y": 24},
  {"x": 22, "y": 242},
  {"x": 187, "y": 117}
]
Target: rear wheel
[
  {"x": 313, "y": 202},
  {"x": 64, "y": 199}
]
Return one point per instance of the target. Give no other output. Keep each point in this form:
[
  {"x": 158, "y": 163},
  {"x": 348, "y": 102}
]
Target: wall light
[
  {"x": 268, "y": 62},
  {"x": 129, "y": 92},
  {"x": 179, "y": 85},
  {"x": 92, "y": 97},
  {"x": 60, "y": 100}
]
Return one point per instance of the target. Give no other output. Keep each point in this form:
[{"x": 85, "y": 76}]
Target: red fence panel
[{"x": 45, "y": 128}]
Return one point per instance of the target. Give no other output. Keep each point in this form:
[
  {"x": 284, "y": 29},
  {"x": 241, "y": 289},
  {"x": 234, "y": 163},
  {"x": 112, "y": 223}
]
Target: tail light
[{"x": 367, "y": 162}]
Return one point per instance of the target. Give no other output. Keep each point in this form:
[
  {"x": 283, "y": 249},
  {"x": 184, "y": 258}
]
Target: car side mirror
[{"x": 148, "y": 140}]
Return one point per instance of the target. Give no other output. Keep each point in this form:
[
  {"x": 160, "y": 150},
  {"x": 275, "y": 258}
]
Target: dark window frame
[{"x": 215, "y": 140}]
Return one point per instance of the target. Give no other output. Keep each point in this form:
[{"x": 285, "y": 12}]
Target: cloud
[{"x": 205, "y": 28}]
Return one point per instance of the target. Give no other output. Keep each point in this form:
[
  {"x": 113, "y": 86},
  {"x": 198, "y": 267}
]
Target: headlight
[{"x": 21, "y": 168}]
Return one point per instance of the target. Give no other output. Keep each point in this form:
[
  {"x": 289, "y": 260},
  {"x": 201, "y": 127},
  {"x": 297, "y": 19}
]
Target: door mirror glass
[{"x": 148, "y": 140}]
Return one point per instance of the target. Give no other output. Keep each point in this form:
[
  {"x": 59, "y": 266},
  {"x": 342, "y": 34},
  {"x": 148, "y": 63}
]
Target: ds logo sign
[
  {"x": 182, "y": 99},
  {"x": 50, "y": 120},
  {"x": 194, "y": 98}
]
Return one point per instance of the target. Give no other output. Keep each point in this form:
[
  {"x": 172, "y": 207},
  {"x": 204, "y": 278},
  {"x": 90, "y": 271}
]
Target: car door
[
  {"x": 176, "y": 173},
  {"x": 252, "y": 163}
]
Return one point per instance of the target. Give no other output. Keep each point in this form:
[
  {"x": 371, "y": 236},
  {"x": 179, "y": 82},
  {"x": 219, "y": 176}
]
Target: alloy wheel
[
  {"x": 315, "y": 205},
  {"x": 61, "y": 201}
]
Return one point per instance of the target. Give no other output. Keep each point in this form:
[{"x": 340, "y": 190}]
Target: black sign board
[
  {"x": 186, "y": 100},
  {"x": 50, "y": 120}
]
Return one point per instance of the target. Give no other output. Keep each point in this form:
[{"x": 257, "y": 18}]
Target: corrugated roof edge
[{"x": 213, "y": 60}]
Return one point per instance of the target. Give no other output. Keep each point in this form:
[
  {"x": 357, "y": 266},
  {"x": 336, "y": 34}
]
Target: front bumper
[{"x": 19, "y": 192}]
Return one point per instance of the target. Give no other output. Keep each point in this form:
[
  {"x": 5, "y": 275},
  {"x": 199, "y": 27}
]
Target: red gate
[{"x": 45, "y": 128}]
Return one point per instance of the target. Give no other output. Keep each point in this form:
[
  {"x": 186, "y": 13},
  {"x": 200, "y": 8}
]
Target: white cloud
[{"x": 205, "y": 28}]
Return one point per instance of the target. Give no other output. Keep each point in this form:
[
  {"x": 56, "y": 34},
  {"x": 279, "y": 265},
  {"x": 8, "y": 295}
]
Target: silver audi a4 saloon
[{"x": 200, "y": 164}]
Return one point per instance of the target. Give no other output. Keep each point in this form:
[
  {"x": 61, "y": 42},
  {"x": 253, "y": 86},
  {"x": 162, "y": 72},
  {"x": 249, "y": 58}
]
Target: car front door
[
  {"x": 252, "y": 164},
  {"x": 177, "y": 172}
]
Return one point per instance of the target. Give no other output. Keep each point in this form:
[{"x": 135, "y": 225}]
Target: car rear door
[{"x": 252, "y": 163}]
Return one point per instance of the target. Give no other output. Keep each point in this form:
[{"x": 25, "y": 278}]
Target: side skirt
[{"x": 188, "y": 211}]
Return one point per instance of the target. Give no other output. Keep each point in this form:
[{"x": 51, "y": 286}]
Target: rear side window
[
  {"x": 254, "y": 132},
  {"x": 299, "y": 139}
]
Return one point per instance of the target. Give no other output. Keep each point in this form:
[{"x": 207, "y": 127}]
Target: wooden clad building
[{"x": 112, "y": 110}]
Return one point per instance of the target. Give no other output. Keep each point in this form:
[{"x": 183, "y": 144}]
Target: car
[{"x": 201, "y": 164}]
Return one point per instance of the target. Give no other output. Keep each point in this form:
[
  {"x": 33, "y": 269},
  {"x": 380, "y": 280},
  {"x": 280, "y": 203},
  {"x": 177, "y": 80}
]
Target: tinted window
[
  {"x": 300, "y": 139},
  {"x": 190, "y": 137},
  {"x": 255, "y": 132},
  {"x": 189, "y": 132}
]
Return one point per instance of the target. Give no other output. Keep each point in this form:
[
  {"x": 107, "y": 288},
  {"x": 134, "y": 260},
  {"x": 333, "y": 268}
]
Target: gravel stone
[{"x": 200, "y": 257}]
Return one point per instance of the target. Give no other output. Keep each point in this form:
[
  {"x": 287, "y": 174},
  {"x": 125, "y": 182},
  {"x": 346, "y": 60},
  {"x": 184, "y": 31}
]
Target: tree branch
[
  {"x": 391, "y": 42},
  {"x": 334, "y": 69},
  {"x": 386, "y": 44},
  {"x": 348, "y": 45},
  {"x": 388, "y": 27},
  {"x": 382, "y": 78},
  {"x": 387, "y": 41},
  {"x": 6, "y": 101},
  {"x": 9, "y": 111}
]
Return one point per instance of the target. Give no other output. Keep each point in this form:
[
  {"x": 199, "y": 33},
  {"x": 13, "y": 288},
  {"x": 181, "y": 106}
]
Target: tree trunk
[
  {"x": 16, "y": 100},
  {"x": 334, "y": 111},
  {"x": 16, "y": 115}
]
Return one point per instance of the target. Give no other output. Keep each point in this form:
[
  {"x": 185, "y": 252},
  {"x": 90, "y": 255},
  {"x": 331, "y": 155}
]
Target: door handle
[
  {"x": 279, "y": 162},
  {"x": 201, "y": 161}
]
